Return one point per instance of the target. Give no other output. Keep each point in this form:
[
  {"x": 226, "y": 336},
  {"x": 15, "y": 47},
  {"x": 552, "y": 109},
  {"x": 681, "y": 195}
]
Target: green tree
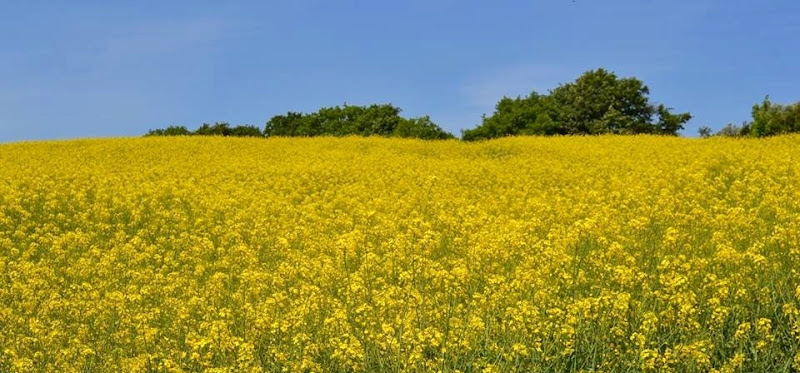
[
  {"x": 593, "y": 94},
  {"x": 597, "y": 102},
  {"x": 669, "y": 123},
  {"x": 246, "y": 131},
  {"x": 774, "y": 119},
  {"x": 170, "y": 131},
  {"x": 705, "y": 132},
  {"x": 216, "y": 129},
  {"x": 530, "y": 115},
  {"x": 349, "y": 120},
  {"x": 732, "y": 130},
  {"x": 420, "y": 128}
]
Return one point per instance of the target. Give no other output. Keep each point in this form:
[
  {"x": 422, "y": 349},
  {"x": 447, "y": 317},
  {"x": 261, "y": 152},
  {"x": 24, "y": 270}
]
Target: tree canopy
[
  {"x": 216, "y": 129},
  {"x": 773, "y": 119},
  {"x": 347, "y": 120},
  {"x": 376, "y": 119},
  {"x": 767, "y": 119},
  {"x": 597, "y": 102}
]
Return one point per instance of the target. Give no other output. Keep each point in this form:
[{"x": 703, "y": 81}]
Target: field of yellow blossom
[{"x": 367, "y": 254}]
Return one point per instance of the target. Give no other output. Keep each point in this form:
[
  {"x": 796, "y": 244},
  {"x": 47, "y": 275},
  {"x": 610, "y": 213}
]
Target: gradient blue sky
[{"x": 118, "y": 68}]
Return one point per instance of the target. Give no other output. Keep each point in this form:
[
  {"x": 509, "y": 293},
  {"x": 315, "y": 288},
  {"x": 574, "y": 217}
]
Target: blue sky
[{"x": 101, "y": 68}]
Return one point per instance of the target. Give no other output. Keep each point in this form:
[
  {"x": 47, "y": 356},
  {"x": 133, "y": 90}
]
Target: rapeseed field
[{"x": 366, "y": 254}]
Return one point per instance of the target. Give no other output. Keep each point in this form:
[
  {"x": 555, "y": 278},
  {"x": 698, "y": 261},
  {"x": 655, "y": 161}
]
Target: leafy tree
[
  {"x": 774, "y": 119},
  {"x": 420, "y": 128},
  {"x": 669, "y": 123},
  {"x": 705, "y": 132},
  {"x": 348, "y": 120},
  {"x": 359, "y": 120},
  {"x": 216, "y": 129},
  {"x": 593, "y": 94},
  {"x": 291, "y": 124},
  {"x": 732, "y": 130},
  {"x": 531, "y": 115},
  {"x": 597, "y": 102},
  {"x": 768, "y": 119},
  {"x": 543, "y": 125},
  {"x": 170, "y": 131},
  {"x": 246, "y": 131}
]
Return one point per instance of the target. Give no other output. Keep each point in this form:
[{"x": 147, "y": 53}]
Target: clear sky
[{"x": 118, "y": 68}]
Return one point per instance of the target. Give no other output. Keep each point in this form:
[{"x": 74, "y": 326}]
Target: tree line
[
  {"x": 768, "y": 119},
  {"x": 347, "y": 120},
  {"x": 597, "y": 102}
]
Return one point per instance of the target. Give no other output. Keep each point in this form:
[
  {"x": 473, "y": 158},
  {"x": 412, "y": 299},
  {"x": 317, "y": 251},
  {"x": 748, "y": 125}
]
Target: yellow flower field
[{"x": 367, "y": 254}]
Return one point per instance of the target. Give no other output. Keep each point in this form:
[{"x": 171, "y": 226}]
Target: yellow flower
[
  {"x": 742, "y": 331},
  {"x": 796, "y": 363},
  {"x": 638, "y": 339},
  {"x": 369, "y": 254},
  {"x": 520, "y": 349},
  {"x": 648, "y": 359}
]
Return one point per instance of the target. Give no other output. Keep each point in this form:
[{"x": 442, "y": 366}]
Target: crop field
[{"x": 628, "y": 253}]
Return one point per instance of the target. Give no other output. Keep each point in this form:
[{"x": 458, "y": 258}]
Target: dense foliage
[
  {"x": 381, "y": 120},
  {"x": 170, "y": 131},
  {"x": 348, "y": 120},
  {"x": 216, "y": 129},
  {"x": 598, "y": 102},
  {"x": 774, "y": 119},
  {"x": 768, "y": 119},
  {"x": 592, "y": 254}
]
